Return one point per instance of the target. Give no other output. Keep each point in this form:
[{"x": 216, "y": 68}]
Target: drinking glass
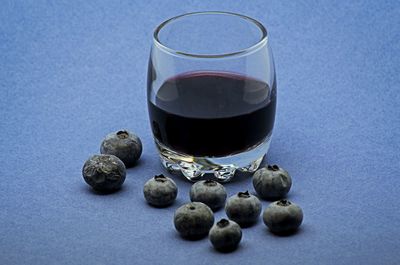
[{"x": 211, "y": 94}]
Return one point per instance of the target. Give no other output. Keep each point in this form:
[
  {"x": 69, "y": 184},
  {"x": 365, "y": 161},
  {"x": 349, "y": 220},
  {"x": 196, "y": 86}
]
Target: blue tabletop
[{"x": 73, "y": 71}]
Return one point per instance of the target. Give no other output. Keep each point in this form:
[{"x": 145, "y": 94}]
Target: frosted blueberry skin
[
  {"x": 272, "y": 182},
  {"x": 124, "y": 145},
  {"x": 193, "y": 220},
  {"x": 160, "y": 191},
  {"x": 243, "y": 208},
  {"x": 104, "y": 173},
  {"x": 283, "y": 217},
  {"x": 209, "y": 192},
  {"x": 225, "y": 235}
]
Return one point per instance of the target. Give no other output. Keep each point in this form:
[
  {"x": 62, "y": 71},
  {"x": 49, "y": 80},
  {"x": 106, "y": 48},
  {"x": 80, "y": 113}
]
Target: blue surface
[{"x": 72, "y": 72}]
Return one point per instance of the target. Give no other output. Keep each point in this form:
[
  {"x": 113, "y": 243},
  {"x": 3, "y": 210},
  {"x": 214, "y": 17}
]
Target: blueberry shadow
[
  {"x": 290, "y": 233},
  {"x": 254, "y": 193},
  {"x": 215, "y": 210},
  {"x": 271, "y": 200},
  {"x": 159, "y": 206},
  {"x": 92, "y": 191},
  {"x": 225, "y": 251},
  {"x": 189, "y": 239},
  {"x": 289, "y": 196},
  {"x": 174, "y": 203},
  {"x": 249, "y": 225},
  {"x": 136, "y": 164}
]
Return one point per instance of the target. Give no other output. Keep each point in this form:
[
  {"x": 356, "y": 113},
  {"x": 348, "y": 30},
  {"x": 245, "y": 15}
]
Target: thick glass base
[{"x": 223, "y": 168}]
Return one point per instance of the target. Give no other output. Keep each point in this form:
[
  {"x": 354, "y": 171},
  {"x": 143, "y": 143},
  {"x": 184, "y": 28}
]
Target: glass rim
[{"x": 247, "y": 50}]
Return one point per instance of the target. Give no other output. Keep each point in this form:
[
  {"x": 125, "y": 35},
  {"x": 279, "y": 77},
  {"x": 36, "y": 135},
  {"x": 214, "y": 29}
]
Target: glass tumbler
[{"x": 211, "y": 94}]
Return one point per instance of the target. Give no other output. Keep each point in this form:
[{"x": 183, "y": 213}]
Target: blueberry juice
[{"x": 202, "y": 119}]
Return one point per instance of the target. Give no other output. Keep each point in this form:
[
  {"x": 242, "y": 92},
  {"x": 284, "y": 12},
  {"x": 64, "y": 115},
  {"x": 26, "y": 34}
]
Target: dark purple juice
[{"x": 212, "y": 114}]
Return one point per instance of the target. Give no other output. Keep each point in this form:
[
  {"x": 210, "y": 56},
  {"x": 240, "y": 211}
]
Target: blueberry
[
  {"x": 104, "y": 173},
  {"x": 283, "y": 217},
  {"x": 225, "y": 235},
  {"x": 243, "y": 208},
  {"x": 124, "y": 145},
  {"x": 272, "y": 182},
  {"x": 209, "y": 192},
  {"x": 193, "y": 220},
  {"x": 160, "y": 191}
]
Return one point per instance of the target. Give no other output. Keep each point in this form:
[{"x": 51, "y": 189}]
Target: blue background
[{"x": 71, "y": 72}]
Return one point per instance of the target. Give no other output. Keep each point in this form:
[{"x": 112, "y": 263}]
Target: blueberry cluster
[
  {"x": 282, "y": 216},
  {"x": 106, "y": 173},
  {"x": 195, "y": 220}
]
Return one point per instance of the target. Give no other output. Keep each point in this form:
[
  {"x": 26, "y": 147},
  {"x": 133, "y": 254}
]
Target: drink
[
  {"x": 212, "y": 114},
  {"x": 211, "y": 94}
]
